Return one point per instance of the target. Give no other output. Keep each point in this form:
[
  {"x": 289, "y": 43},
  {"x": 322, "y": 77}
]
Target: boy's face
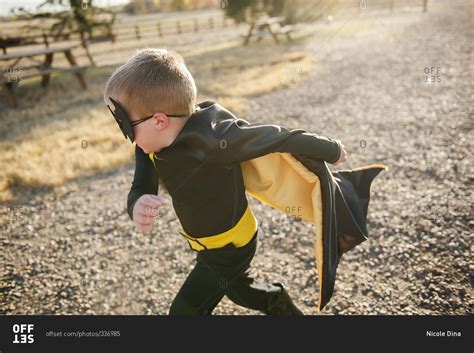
[{"x": 151, "y": 133}]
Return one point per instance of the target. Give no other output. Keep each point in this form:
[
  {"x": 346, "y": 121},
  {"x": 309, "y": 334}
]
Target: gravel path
[{"x": 78, "y": 253}]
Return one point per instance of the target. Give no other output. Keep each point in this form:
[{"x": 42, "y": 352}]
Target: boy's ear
[{"x": 161, "y": 121}]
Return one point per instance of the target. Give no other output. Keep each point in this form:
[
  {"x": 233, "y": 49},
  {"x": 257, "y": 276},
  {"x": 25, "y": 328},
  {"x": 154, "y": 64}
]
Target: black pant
[{"x": 219, "y": 272}]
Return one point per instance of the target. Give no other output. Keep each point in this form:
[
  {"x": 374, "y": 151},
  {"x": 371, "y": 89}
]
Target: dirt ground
[{"x": 77, "y": 252}]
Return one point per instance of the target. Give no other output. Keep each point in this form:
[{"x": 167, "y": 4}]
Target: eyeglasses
[{"x": 124, "y": 123}]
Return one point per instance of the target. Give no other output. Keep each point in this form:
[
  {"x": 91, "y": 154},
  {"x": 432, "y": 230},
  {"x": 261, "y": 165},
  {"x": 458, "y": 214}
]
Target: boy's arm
[
  {"x": 145, "y": 179},
  {"x": 240, "y": 141}
]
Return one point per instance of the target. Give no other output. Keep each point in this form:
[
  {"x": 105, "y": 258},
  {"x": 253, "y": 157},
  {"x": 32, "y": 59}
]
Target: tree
[{"x": 79, "y": 16}]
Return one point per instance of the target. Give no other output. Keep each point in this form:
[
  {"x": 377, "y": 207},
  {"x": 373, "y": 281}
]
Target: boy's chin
[{"x": 149, "y": 150}]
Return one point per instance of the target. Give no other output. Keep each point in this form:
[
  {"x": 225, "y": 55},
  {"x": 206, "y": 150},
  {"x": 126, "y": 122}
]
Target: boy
[{"x": 196, "y": 151}]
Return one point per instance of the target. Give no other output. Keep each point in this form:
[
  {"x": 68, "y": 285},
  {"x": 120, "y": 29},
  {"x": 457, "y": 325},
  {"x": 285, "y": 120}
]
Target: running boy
[{"x": 196, "y": 151}]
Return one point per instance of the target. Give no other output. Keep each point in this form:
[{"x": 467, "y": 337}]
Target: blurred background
[{"x": 391, "y": 78}]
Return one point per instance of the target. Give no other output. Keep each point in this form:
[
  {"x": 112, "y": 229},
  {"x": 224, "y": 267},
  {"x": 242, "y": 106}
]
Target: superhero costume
[{"x": 217, "y": 157}]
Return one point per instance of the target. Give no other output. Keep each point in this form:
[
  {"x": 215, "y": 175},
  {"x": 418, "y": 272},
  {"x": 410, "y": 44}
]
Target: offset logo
[{"x": 23, "y": 333}]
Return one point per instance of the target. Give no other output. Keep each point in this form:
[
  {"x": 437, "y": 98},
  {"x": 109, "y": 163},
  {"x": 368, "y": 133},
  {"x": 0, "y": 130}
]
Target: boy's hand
[
  {"x": 145, "y": 210},
  {"x": 342, "y": 155}
]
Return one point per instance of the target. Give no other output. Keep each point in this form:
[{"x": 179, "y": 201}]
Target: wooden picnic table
[
  {"x": 13, "y": 72},
  {"x": 271, "y": 24}
]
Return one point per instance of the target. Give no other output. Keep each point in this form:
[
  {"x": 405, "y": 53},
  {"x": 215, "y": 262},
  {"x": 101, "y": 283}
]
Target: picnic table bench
[
  {"x": 10, "y": 42},
  {"x": 269, "y": 25},
  {"x": 13, "y": 73}
]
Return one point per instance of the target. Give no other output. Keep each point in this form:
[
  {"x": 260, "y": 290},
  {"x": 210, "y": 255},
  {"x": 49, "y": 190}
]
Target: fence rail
[{"x": 136, "y": 30}]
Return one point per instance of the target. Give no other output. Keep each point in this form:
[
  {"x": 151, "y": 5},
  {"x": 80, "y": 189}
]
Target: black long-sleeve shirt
[{"x": 201, "y": 168}]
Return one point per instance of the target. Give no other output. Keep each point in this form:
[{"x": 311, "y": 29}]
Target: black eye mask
[
  {"x": 123, "y": 121},
  {"x": 121, "y": 117}
]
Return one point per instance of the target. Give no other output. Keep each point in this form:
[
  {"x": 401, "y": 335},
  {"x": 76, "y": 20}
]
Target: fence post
[
  {"x": 224, "y": 21},
  {"x": 45, "y": 40},
  {"x": 211, "y": 23},
  {"x": 137, "y": 32},
  {"x": 178, "y": 27},
  {"x": 425, "y": 5},
  {"x": 110, "y": 34},
  {"x": 4, "y": 48},
  {"x": 196, "y": 25},
  {"x": 391, "y": 5},
  {"x": 158, "y": 27}
]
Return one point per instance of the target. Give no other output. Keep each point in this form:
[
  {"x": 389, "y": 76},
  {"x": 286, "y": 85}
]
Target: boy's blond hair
[{"x": 153, "y": 80}]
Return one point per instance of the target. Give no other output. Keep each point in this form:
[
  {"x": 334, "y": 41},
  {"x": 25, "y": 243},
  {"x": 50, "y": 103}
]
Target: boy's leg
[
  {"x": 271, "y": 299},
  {"x": 224, "y": 271},
  {"x": 213, "y": 274},
  {"x": 199, "y": 294},
  {"x": 252, "y": 293}
]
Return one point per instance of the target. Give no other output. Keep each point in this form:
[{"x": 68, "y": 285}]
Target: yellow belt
[{"x": 239, "y": 235}]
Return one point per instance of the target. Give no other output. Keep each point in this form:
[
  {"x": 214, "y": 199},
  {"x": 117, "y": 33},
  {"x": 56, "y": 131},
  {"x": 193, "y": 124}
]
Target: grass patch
[{"x": 65, "y": 149}]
